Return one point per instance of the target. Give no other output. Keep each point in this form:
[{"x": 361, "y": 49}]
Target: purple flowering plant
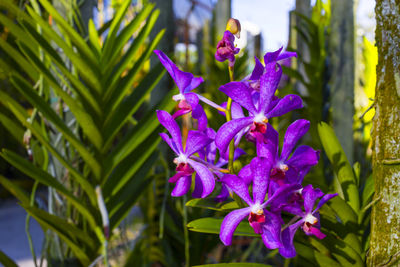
[{"x": 271, "y": 184}]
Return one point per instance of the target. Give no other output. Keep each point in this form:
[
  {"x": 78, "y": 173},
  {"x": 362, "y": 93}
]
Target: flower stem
[{"x": 229, "y": 118}]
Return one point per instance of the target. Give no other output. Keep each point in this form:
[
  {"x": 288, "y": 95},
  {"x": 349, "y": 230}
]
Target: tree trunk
[
  {"x": 341, "y": 54},
  {"x": 385, "y": 219}
]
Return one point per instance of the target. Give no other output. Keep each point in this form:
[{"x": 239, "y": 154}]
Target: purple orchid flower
[
  {"x": 270, "y": 59},
  {"x": 186, "y": 163},
  {"x": 226, "y": 49},
  {"x": 263, "y": 222},
  {"x": 186, "y": 82},
  {"x": 285, "y": 169},
  {"x": 256, "y": 122},
  {"x": 209, "y": 155},
  {"x": 309, "y": 221}
]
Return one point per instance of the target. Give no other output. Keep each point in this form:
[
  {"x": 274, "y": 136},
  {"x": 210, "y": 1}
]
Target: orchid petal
[
  {"x": 181, "y": 78},
  {"x": 282, "y": 193},
  {"x": 230, "y": 223},
  {"x": 286, "y": 104},
  {"x": 201, "y": 117},
  {"x": 272, "y": 230},
  {"x": 257, "y": 71},
  {"x": 268, "y": 84},
  {"x": 310, "y": 195},
  {"x": 323, "y": 200},
  {"x": 272, "y": 56},
  {"x": 195, "y": 141},
  {"x": 303, "y": 156},
  {"x": 228, "y": 131},
  {"x": 240, "y": 93},
  {"x": 198, "y": 187},
  {"x": 261, "y": 169},
  {"x": 294, "y": 132},
  {"x": 172, "y": 127},
  {"x": 288, "y": 250},
  {"x": 246, "y": 174},
  {"x": 196, "y": 81},
  {"x": 170, "y": 143},
  {"x": 182, "y": 186},
  {"x": 238, "y": 186},
  {"x": 269, "y": 147},
  {"x": 192, "y": 99},
  {"x": 285, "y": 55},
  {"x": 205, "y": 175}
]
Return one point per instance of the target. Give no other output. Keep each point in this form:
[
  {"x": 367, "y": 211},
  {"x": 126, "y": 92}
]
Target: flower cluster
[{"x": 274, "y": 179}]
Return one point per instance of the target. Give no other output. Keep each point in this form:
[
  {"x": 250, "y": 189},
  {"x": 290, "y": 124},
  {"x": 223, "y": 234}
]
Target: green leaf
[
  {"x": 314, "y": 256},
  {"x": 340, "y": 164},
  {"x": 117, "y": 86},
  {"x": 131, "y": 164},
  {"x": 22, "y": 116},
  {"x": 14, "y": 189},
  {"x": 87, "y": 70},
  {"x": 13, "y": 128},
  {"x": 94, "y": 37},
  {"x": 66, "y": 231},
  {"x": 235, "y": 264},
  {"x": 45, "y": 178},
  {"x": 80, "y": 44},
  {"x": 114, "y": 27},
  {"x": 130, "y": 105},
  {"x": 19, "y": 59},
  {"x": 138, "y": 134},
  {"x": 205, "y": 203},
  {"x": 368, "y": 191},
  {"x": 26, "y": 90},
  {"x": 77, "y": 85},
  {"x": 212, "y": 226},
  {"x": 6, "y": 261},
  {"x": 108, "y": 59},
  {"x": 121, "y": 203},
  {"x": 84, "y": 119}
]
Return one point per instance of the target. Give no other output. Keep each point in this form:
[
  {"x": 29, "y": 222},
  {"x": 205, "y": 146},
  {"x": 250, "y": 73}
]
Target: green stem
[
  {"x": 229, "y": 118},
  {"x": 186, "y": 232},
  {"x": 32, "y": 202}
]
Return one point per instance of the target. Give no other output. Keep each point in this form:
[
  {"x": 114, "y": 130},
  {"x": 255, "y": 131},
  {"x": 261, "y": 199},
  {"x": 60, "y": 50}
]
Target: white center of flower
[
  {"x": 178, "y": 97},
  {"x": 283, "y": 166},
  {"x": 257, "y": 209},
  {"x": 260, "y": 118},
  {"x": 180, "y": 159},
  {"x": 310, "y": 219}
]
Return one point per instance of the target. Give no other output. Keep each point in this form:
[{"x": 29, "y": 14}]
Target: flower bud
[{"x": 234, "y": 27}]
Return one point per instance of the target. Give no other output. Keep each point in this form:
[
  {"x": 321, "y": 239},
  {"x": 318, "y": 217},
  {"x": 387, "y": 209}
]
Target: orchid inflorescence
[{"x": 274, "y": 179}]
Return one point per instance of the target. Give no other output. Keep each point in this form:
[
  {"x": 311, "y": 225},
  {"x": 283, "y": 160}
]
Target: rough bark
[
  {"x": 341, "y": 54},
  {"x": 385, "y": 220}
]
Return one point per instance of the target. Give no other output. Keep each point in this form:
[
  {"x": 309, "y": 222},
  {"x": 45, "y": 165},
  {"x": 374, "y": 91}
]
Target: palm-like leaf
[{"x": 94, "y": 85}]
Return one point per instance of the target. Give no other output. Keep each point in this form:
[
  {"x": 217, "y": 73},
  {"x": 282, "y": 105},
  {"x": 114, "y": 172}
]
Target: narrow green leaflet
[
  {"x": 6, "y": 261},
  {"x": 205, "y": 203},
  {"x": 130, "y": 105},
  {"x": 13, "y": 128},
  {"x": 43, "y": 177},
  {"x": 38, "y": 102},
  {"x": 341, "y": 166},
  {"x": 14, "y": 189},
  {"x": 212, "y": 226},
  {"x": 66, "y": 231}
]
